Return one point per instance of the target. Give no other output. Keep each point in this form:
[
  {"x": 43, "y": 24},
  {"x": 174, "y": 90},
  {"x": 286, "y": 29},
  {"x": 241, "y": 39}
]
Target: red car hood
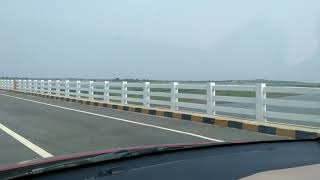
[{"x": 84, "y": 155}]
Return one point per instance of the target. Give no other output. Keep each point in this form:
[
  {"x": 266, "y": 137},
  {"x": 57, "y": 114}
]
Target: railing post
[
  {"x": 174, "y": 97},
  {"x": 42, "y": 86},
  {"x": 124, "y": 94},
  {"x": 261, "y": 107},
  {"x": 23, "y": 85},
  {"x": 146, "y": 94},
  {"x": 91, "y": 90},
  {"x": 210, "y": 98},
  {"x": 106, "y": 91},
  {"x": 30, "y": 86},
  {"x": 49, "y": 87},
  {"x": 35, "y": 83},
  {"x": 20, "y": 85},
  {"x": 13, "y": 84},
  {"x": 57, "y": 87},
  {"x": 67, "y": 88},
  {"x": 78, "y": 89},
  {"x": 35, "y": 86}
]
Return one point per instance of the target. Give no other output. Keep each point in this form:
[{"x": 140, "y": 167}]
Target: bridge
[{"x": 45, "y": 118}]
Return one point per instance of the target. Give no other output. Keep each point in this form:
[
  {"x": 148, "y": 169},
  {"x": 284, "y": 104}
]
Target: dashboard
[{"x": 222, "y": 162}]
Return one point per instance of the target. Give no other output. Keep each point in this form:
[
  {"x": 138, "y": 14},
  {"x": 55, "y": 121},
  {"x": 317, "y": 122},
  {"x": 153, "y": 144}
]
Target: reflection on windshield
[{"x": 77, "y": 77}]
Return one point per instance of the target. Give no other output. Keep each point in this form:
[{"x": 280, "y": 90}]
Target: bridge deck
[{"x": 33, "y": 127}]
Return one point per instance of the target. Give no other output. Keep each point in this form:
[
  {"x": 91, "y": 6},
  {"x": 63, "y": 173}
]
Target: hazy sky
[{"x": 180, "y": 39}]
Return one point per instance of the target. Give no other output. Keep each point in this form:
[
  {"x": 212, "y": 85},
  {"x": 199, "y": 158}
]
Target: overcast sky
[{"x": 175, "y": 40}]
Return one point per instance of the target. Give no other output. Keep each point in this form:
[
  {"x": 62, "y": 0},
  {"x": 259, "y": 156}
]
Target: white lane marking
[
  {"x": 26, "y": 142},
  {"x": 118, "y": 119}
]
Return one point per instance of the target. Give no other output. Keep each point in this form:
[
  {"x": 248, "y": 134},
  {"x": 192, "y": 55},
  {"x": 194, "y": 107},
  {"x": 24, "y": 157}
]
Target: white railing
[{"x": 183, "y": 97}]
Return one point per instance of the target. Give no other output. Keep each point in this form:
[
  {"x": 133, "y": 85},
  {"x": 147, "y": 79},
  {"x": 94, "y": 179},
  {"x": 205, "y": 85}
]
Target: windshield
[{"x": 88, "y": 76}]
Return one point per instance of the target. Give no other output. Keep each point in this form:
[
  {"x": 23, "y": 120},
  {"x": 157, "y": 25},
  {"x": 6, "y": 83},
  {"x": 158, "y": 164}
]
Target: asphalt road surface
[{"x": 34, "y": 127}]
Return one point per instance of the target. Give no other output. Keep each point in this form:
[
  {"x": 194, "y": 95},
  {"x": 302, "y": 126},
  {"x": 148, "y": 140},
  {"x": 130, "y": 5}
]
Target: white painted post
[
  {"x": 35, "y": 82},
  {"x": 91, "y": 90},
  {"x": 20, "y": 85},
  {"x": 24, "y": 85},
  {"x": 174, "y": 97},
  {"x": 49, "y": 87},
  {"x": 67, "y": 88},
  {"x": 210, "y": 98},
  {"x": 261, "y": 107},
  {"x": 30, "y": 86},
  {"x": 146, "y": 94},
  {"x": 124, "y": 93},
  {"x": 42, "y": 86},
  {"x": 57, "y": 87},
  {"x": 106, "y": 91},
  {"x": 78, "y": 89},
  {"x": 35, "y": 86}
]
